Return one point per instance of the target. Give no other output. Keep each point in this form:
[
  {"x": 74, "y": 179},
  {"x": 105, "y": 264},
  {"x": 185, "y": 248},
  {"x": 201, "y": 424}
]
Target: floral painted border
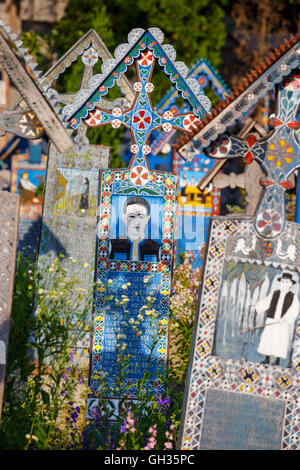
[{"x": 121, "y": 182}]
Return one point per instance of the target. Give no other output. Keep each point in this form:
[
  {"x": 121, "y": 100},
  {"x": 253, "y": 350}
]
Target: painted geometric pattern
[
  {"x": 120, "y": 183},
  {"x": 205, "y": 74},
  {"x": 209, "y": 371},
  {"x": 150, "y": 42},
  {"x": 278, "y": 154}
]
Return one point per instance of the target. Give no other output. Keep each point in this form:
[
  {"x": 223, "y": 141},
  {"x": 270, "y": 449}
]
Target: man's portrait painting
[
  {"x": 139, "y": 221},
  {"x": 257, "y": 313}
]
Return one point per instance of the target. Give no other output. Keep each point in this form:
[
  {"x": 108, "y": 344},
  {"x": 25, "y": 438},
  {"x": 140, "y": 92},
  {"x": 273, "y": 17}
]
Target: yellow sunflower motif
[{"x": 281, "y": 153}]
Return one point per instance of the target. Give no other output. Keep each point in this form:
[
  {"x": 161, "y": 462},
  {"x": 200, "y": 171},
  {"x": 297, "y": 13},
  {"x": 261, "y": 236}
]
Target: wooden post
[{"x": 9, "y": 208}]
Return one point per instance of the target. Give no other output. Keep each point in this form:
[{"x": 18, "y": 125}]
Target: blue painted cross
[
  {"x": 141, "y": 118},
  {"x": 277, "y": 153}
]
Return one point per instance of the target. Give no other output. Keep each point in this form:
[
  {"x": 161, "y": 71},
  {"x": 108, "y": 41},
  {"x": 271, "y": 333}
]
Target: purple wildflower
[{"x": 164, "y": 405}]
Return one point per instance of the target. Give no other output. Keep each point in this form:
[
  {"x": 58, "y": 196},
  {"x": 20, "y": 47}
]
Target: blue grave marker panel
[
  {"x": 134, "y": 256},
  {"x": 140, "y": 334},
  {"x": 195, "y": 207}
]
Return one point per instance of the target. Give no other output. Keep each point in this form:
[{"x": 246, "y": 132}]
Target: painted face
[
  {"x": 135, "y": 219},
  {"x": 286, "y": 284}
]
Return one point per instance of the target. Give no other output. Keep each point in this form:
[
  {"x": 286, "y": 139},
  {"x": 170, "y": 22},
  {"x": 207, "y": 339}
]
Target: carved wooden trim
[{"x": 33, "y": 96}]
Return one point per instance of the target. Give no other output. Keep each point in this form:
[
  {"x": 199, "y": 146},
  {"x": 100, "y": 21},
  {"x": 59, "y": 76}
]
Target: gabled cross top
[
  {"x": 141, "y": 118},
  {"x": 144, "y": 49},
  {"x": 278, "y": 154}
]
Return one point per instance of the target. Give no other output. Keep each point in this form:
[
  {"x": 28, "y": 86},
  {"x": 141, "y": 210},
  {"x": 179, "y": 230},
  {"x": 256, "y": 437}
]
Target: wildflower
[
  {"x": 85, "y": 265},
  {"x": 164, "y": 405},
  {"x": 152, "y": 438},
  {"x": 124, "y": 286},
  {"x": 131, "y": 321},
  {"x": 40, "y": 291},
  {"x": 128, "y": 284},
  {"x": 109, "y": 282},
  {"x": 123, "y": 428},
  {"x": 31, "y": 437},
  {"x": 168, "y": 445},
  {"x": 128, "y": 424}
]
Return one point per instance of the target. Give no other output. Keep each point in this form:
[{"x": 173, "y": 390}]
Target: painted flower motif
[
  {"x": 116, "y": 123},
  {"x": 174, "y": 110},
  {"x": 94, "y": 119},
  {"x": 139, "y": 175},
  {"x": 248, "y": 375},
  {"x": 284, "y": 381},
  {"x": 167, "y": 127},
  {"x": 90, "y": 57},
  {"x": 74, "y": 122},
  {"x": 221, "y": 148},
  {"x": 134, "y": 148},
  {"x": 269, "y": 223},
  {"x": 190, "y": 122},
  {"x": 117, "y": 112},
  {"x": 137, "y": 86},
  {"x": 146, "y": 149},
  {"x": 146, "y": 58},
  {"x": 292, "y": 83},
  {"x": 280, "y": 153},
  {"x": 168, "y": 115},
  {"x": 142, "y": 118},
  {"x": 202, "y": 80},
  {"x": 149, "y": 87},
  {"x": 267, "y": 249}
]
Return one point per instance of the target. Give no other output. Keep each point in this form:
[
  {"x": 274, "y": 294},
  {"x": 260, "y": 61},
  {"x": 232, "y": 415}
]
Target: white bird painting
[
  {"x": 242, "y": 247},
  {"x": 289, "y": 253}
]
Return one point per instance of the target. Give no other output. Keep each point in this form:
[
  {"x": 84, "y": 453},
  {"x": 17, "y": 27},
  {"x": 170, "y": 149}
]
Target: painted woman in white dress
[{"x": 282, "y": 309}]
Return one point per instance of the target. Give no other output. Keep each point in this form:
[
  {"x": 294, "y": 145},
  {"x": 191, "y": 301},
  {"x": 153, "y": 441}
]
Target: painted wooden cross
[
  {"x": 277, "y": 153},
  {"x": 136, "y": 219},
  {"x": 141, "y": 118}
]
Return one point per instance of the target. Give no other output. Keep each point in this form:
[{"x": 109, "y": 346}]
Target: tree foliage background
[
  {"x": 233, "y": 35},
  {"x": 195, "y": 29}
]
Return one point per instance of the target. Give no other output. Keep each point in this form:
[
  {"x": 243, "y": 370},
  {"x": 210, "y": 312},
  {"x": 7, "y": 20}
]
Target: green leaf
[{"x": 45, "y": 397}]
